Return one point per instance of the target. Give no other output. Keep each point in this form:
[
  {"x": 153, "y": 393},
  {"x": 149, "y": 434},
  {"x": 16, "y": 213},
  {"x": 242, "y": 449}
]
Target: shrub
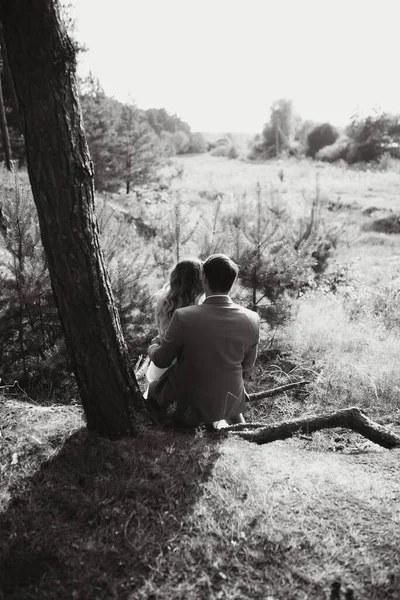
[
  {"x": 128, "y": 260},
  {"x": 372, "y": 137},
  {"x": 386, "y": 307},
  {"x": 277, "y": 135},
  {"x": 336, "y": 151},
  {"x": 197, "y": 144},
  {"x": 388, "y": 224},
  {"x": 319, "y": 137},
  {"x": 257, "y": 148},
  {"x": 31, "y": 341},
  {"x": 226, "y": 147},
  {"x": 275, "y": 258},
  {"x": 366, "y": 151},
  {"x": 181, "y": 142}
]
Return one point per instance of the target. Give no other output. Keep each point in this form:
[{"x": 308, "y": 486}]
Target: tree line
[
  {"x": 363, "y": 140},
  {"x": 128, "y": 145}
]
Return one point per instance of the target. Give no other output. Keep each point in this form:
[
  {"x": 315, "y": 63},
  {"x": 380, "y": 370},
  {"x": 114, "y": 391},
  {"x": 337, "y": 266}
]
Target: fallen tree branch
[
  {"x": 348, "y": 418},
  {"x": 278, "y": 390}
]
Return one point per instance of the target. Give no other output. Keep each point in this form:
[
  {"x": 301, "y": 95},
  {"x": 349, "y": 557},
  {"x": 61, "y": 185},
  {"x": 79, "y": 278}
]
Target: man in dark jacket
[{"x": 213, "y": 343}]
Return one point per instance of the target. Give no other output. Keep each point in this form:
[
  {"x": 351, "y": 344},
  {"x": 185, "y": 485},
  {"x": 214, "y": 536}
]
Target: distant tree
[
  {"x": 197, "y": 144},
  {"x": 302, "y": 132},
  {"x": 160, "y": 120},
  {"x": 278, "y": 133},
  {"x": 225, "y": 146},
  {"x": 100, "y": 117},
  {"x": 275, "y": 257},
  {"x": 139, "y": 150},
  {"x": 124, "y": 148},
  {"x": 281, "y": 121},
  {"x": 319, "y": 137},
  {"x": 373, "y": 136},
  {"x": 181, "y": 141},
  {"x": 336, "y": 151}
]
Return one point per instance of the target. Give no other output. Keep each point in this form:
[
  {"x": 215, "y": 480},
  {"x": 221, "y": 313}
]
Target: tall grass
[{"x": 355, "y": 354}]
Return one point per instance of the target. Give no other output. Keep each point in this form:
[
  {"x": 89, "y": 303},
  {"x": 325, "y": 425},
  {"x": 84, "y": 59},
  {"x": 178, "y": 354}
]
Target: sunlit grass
[
  {"x": 369, "y": 187},
  {"x": 190, "y": 516},
  {"x": 356, "y": 358},
  {"x": 187, "y": 516}
]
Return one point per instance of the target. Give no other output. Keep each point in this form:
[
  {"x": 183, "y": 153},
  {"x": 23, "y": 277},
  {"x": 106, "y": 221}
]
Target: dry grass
[
  {"x": 365, "y": 188},
  {"x": 355, "y": 356},
  {"x": 30, "y": 434},
  {"x": 187, "y": 516}
]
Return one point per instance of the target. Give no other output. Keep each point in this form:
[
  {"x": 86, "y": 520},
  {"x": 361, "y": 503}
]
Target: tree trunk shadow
[{"x": 92, "y": 521}]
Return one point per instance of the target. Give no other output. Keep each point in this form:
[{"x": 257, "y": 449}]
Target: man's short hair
[{"x": 220, "y": 272}]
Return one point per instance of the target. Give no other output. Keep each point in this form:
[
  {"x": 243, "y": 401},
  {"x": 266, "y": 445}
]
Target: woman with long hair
[{"x": 184, "y": 288}]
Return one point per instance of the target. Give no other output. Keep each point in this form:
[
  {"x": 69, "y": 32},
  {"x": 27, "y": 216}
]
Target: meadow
[{"x": 182, "y": 516}]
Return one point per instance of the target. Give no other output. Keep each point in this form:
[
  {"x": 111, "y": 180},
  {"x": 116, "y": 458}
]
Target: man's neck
[{"x": 209, "y": 294}]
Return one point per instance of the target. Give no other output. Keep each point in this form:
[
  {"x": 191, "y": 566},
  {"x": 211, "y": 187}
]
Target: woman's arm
[{"x": 164, "y": 353}]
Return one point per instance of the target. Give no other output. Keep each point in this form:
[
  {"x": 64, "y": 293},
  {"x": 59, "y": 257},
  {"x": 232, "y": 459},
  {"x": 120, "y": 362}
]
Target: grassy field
[{"x": 187, "y": 516}]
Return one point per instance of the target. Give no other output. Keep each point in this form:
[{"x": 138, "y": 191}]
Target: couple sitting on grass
[{"x": 205, "y": 343}]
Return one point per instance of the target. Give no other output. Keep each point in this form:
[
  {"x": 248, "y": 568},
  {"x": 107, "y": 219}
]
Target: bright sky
[{"x": 219, "y": 64}]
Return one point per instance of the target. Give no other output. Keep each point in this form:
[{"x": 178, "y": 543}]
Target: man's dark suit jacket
[{"x": 213, "y": 343}]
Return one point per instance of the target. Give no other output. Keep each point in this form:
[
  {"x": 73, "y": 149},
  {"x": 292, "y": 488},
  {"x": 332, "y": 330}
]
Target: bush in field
[
  {"x": 278, "y": 133},
  {"x": 336, "y": 151},
  {"x": 372, "y": 137},
  {"x": 274, "y": 255},
  {"x": 302, "y": 130},
  {"x": 180, "y": 141},
  {"x": 388, "y": 224},
  {"x": 386, "y": 307},
  {"x": 367, "y": 151},
  {"x": 197, "y": 144},
  {"x": 278, "y": 273},
  {"x": 161, "y": 120},
  {"x": 226, "y": 147},
  {"x": 257, "y": 148},
  {"x": 319, "y": 137}
]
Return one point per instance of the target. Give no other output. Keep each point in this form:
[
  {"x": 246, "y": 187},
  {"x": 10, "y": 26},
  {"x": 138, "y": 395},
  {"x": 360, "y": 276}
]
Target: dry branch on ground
[
  {"x": 278, "y": 390},
  {"x": 348, "y": 418}
]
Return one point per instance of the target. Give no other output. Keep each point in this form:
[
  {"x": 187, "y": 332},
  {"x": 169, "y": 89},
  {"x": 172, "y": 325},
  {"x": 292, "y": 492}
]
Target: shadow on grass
[{"x": 94, "y": 520}]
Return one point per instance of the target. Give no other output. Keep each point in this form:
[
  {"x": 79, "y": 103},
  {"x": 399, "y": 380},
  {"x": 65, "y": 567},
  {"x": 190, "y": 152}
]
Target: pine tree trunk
[
  {"x": 4, "y": 131},
  {"x": 42, "y": 64},
  {"x": 9, "y": 81}
]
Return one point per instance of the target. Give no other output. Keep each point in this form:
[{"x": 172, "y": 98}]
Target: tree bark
[
  {"x": 42, "y": 63},
  {"x": 10, "y": 81},
  {"x": 4, "y": 130},
  {"x": 348, "y": 418}
]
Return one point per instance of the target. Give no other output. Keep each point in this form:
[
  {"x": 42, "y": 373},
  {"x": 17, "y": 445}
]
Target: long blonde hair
[{"x": 183, "y": 288}]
